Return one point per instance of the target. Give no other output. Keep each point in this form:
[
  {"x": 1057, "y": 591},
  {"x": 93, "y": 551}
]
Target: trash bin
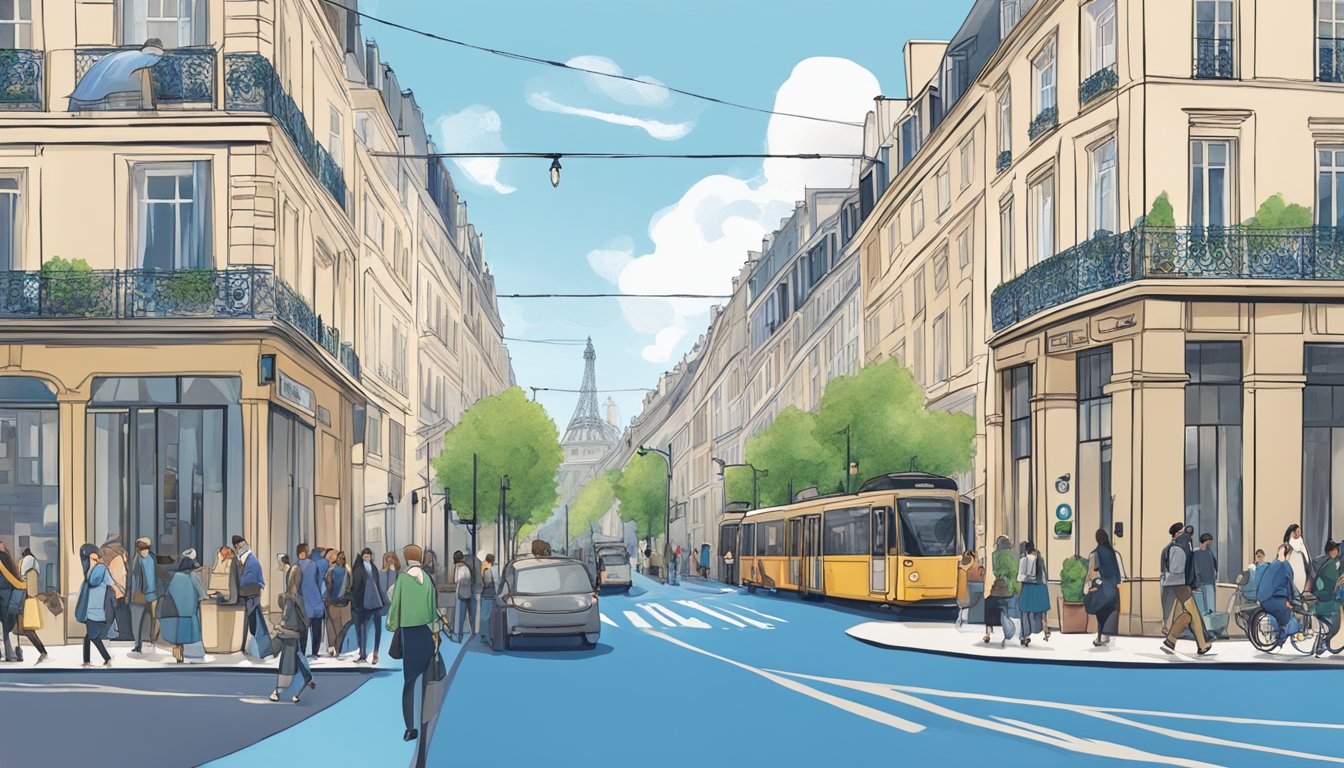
[{"x": 221, "y": 627}]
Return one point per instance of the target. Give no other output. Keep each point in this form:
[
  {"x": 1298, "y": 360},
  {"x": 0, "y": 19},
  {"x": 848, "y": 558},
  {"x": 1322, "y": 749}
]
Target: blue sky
[{"x": 594, "y": 233}]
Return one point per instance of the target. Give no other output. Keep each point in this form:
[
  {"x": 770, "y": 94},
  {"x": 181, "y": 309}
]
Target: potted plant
[
  {"x": 191, "y": 290},
  {"x": 1072, "y": 614},
  {"x": 70, "y": 288}
]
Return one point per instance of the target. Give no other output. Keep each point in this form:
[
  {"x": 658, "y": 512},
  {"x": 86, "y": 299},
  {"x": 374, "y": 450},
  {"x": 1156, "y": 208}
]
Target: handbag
[
  {"x": 394, "y": 648},
  {"x": 32, "y": 615},
  {"x": 436, "y": 670},
  {"x": 1101, "y": 598}
]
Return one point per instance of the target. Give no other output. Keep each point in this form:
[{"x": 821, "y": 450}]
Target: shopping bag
[
  {"x": 394, "y": 648},
  {"x": 32, "y": 615},
  {"x": 260, "y": 645}
]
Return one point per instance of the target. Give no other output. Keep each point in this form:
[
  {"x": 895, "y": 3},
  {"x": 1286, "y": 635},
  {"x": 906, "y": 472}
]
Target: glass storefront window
[
  {"x": 30, "y": 487},
  {"x": 1323, "y": 445},
  {"x": 1213, "y": 449}
]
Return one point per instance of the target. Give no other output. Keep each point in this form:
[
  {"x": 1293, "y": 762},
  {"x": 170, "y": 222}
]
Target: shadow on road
[
  {"x": 550, "y": 648},
  {"x": 869, "y": 611}
]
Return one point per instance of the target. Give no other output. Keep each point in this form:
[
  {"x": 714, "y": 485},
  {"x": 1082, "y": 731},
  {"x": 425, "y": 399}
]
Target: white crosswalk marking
[
  {"x": 752, "y": 622},
  {"x": 698, "y": 607},
  {"x": 649, "y": 609},
  {"x": 607, "y": 621},
  {"x": 637, "y": 620},
  {"x": 758, "y": 613},
  {"x": 682, "y": 620}
]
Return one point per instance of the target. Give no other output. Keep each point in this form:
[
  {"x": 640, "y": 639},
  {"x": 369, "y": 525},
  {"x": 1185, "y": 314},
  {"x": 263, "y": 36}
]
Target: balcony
[
  {"x": 244, "y": 293},
  {"x": 1099, "y": 82},
  {"x": 1213, "y": 58},
  {"x": 251, "y": 85},
  {"x": 182, "y": 76},
  {"x": 20, "y": 79},
  {"x": 1044, "y": 123},
  {"x": 1004, "y": 160},
  {"x": 1169, "y": 253},
  {"x": 1330, "y": 60}
]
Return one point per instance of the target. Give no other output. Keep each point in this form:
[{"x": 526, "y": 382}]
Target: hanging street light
[{"x": 555, "y": 170}]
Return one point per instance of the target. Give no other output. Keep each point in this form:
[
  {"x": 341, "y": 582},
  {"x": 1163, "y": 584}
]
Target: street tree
[
  {"x": 592, "y": 502},
  {"x": 790, "y": 451},
  {"x": 509, "y": 435},
  {"x": 642, "y": 493}
]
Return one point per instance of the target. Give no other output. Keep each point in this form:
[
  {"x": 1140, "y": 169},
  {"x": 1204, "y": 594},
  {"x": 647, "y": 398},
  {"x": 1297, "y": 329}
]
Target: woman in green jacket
[{"x": 414, "y": 612}]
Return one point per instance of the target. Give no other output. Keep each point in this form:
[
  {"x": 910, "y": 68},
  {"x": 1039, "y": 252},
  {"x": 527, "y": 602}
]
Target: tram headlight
[{"x": 914, "y": 575}]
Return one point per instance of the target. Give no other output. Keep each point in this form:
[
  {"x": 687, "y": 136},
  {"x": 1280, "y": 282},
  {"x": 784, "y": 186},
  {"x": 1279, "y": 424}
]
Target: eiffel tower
[{"x": 588, "y": 426}]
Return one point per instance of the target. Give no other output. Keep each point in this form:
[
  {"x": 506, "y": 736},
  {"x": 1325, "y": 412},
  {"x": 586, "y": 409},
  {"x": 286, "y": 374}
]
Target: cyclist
[{"x": 1276, "y": 594}]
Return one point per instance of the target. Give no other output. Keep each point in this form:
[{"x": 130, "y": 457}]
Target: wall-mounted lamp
[{"x": 1062, "y": 483}]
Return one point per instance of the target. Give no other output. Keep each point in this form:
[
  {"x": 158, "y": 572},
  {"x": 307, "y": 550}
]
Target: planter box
[{"x": 1072, "y": 618}]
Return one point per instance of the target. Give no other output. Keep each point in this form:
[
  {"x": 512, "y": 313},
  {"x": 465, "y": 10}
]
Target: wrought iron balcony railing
[
  {"x": 1152, "y": 253},
  {"x": 1330, "y": 59},
  {"x": 1004, "y": 160},
  {"x": 1044, "y": 122},
  {"x": 21, "y": 79},
  {"x": 1099, "y": 82},
  {"x": 182, "y": 76},
  {"x": 252, "y": 85},
  {"x": 240, "y": 293},
  {"x": 1213, "y": 58}
]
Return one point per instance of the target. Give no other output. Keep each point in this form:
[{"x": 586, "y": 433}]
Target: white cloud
[
  {"x": 610, "y": 261},
  {"x": 701, "y": 241},
  {"x": 647, "y": 92},
  {"x": 658, "y": 130},
  {"x": 476, "y": 129}
]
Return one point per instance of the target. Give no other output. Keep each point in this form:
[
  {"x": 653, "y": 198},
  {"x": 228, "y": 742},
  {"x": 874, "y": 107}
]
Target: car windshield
[
  {"x": 552, "y": 579},
  {"x": 928, "y": 527},
  {"x": 615, "y": 558}
]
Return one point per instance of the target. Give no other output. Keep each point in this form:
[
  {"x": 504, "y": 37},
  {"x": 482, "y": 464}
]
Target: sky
[{"x": 640, "y": 226}]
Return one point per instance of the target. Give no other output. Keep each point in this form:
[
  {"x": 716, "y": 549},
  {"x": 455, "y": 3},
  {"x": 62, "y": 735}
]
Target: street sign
[{"x": 1064, "y": 512}]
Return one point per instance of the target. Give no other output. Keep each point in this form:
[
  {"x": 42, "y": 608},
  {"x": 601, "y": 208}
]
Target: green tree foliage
[
  {"x": 789, "y": 450},
  {"x": 510, "y": 436},
  {"x": 1275, "y": 213},
  {"x": 592, "y": 502},
  {"x": 1161, "y": 214},
  {"x": 1004, "y": 563},
  {"x": 642, "y": 492}
]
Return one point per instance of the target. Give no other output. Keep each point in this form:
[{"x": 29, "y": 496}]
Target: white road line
[
  {"x": 637, "y": 620},
  {"x": 752, "y": 622},
  {"x": 698, "y": 607},
  {"x": 876, "y": 715},
  {"x": 758, "y": 613},
  {"x": 28, "y": 688},
  {"x": 607, "y": 621},
  {"x": 1173, "y": 733},
  {"x": 682, "y": 620},
  {"x": 648, "y": 608}
]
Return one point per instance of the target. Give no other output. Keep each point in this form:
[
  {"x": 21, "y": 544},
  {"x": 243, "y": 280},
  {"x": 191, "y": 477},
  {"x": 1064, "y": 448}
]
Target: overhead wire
[
  {"x": 557, "y": 342},
  {"x": 613, "y": 296}
]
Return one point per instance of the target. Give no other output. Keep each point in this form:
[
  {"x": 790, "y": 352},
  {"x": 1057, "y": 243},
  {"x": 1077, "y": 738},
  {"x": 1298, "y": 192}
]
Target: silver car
[
  {"x": 613, "y": 568},
  {"x": 545, "y": 597}
]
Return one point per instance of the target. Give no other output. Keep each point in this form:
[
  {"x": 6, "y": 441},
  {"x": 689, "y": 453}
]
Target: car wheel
[
  {"x": 588, "y": 642},
  {"x": 508, "y": 643}
]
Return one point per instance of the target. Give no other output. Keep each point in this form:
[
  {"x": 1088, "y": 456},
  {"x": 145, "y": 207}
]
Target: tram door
[
  {"x": 877, "y": 563},
  {"x": 795, "y": 544},
  {"x": 812, "y": 560}
]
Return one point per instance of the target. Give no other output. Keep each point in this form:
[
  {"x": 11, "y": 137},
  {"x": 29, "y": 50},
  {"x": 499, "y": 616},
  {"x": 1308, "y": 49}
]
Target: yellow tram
[{"x": 896, "y": 541}]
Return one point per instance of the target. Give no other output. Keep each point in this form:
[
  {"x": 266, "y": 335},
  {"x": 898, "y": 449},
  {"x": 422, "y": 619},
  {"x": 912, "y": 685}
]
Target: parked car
[
  {"x": 545, "y": 597},
  {"x": 614, "y": 571}
]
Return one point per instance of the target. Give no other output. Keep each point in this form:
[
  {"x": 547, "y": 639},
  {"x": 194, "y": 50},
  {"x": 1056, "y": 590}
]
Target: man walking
[
  {"x": 487, "y": 595},
  {"x": 1178, "y": 575},
  {"x": 251, "y": 580},
  {"x": 144, "y": 594},
  {"x": 465, "y": 622},
  {"x": 311, "y": 590},
  {"x": 1206, "y": 580},
  {"x": 368, "y": 600},
  {"x": 674, "y": 573}
]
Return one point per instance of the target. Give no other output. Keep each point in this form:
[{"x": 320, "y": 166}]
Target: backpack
[{"x": 1189, "y": 562}]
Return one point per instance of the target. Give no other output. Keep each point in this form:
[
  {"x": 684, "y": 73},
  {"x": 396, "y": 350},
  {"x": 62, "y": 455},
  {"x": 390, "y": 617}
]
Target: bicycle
[{"x": 1311, "y": 640}]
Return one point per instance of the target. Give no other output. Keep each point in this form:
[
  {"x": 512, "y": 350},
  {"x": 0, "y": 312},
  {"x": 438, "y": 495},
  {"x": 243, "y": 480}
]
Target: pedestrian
[
  {"x": 704, "y": 561},
  {"x": 1254, "y": 571},
  {"x": 338, "y": 598},
  {"x": 1178, "y": 575},
  {"x": 655, "y": 565},
  {"x": 113, "y": 554},
  {"x": 388, "y": 577},
  {"x": 1278, "y": 592},
  {"x": 180, "y": 612},
  {"x": 1034, "y": 602},
  {"x": 998, "y": 610},
  {"x": 1206, "y": 575},
  {"x": 31, "y": 621},
  {"x": 1299, "y": 559},
  {"x": 674, "y": 573},
  {"x": 311, "y": 589},
  {"x": 96, "y": 604},
  {"x": 728, "y": 563},
  {"x": 1328, "y": 570},
  {"x": 222, "y": 584},
  {"x": 251, "y": 580},
  {"x": 1102, "y": 598},
  {"x": 13, "y": 594},
  {"x": 144, "y": 584},
  {"x": 367, "y": 600},
  {"x": 970, "y": 586},
  {"x": 415, "y": 617},
  {"x": 1182, "y": 541},
  {"x": 464, "y": 620},
  {"x": 488, "y": 585},
  {"x": 291, "y": 631}
]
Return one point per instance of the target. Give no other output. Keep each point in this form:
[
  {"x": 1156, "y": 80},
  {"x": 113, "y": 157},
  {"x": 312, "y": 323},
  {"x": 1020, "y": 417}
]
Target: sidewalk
[
  {"x": 947, "y": 640},
  {"x": 160, "y": 658}
]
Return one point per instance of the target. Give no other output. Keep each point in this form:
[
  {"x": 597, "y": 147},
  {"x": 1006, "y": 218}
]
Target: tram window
[
  {"x": 749, "y": 540},
  {"x": 928, "y": 527},
  {"x": 771, "y": 541},
  {"x": 967, "y": 526},
  {"x": 879, "y": 546},
  {"x": 847, "y": 532}
]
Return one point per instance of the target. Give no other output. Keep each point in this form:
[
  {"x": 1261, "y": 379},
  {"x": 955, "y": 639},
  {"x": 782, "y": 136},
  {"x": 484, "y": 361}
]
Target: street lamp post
[
  {"x": 756, "y": 474},
  {"x": 503, "y": 509},
  {"x": 667, "y": 508},
  {"x": 849, "y": 460}
]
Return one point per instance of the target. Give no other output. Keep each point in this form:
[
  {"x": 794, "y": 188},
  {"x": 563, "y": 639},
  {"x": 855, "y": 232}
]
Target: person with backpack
[
  {"x": 144, "y": 582},
  {"x": 291, "y": 631},
  {"x": 97, "y": 602},
  {"x": 1178, "y": 575},
  {"x": 464, "y": 624},
  {"x": 179, "y": 612},
  {"x": 488, "y": 584},
  {"x": 338, "y": 599},
  {"x": 1034, "y": 602}
]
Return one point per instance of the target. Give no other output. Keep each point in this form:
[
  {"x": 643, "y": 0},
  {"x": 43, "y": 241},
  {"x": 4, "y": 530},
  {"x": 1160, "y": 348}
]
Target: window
[
  {"x": 396, "y": 448},
  {"x": 1213, "y": 448},
  {"x": 1323, "y": 443},
  {"x": 335, "y": 139},
  {"x": 1017, "y": 511},
  {"x": 846, "y": 532},
  {"x": 917, "y": 216},
  {"x": 940, "y": 271},
  {"x": 967, "y": 162},
  {"x": 918, "y": 287},
  {"x": 1210, "y": 194},
  {"x": 16, "y": 24},
  {"x": 172, "y": 225},
  {"x": 11, "y": 223},
  {"x": 1094, "y": 436},
  {"x": 917, "y": 356},
  {"x": 964, "y": 247},
  {"x": 944, "y": 190},
  {"x": 898, "y": 311},
  {"x": 894, "y": 234},
  {"x": 940, "y": 347},
  {"x": 770, "y": 539},
  {"x": 1330, "y": 41},
  {"x": 1043, "y": 67},
  {"x": 910, "y": 138},
  {"x": 1329, "y": 187},
  {"x": 1009, "y": 15},
  {"x": 1043, "y": 219},
  {"x": 1100, "y": 31},
  {"x": 1005, "y": 121},
  {"x": 1104, "y": 214},
  {"x": 373, "y": 435},
  {"x": 373, "y": 219},
  {"x": 928, "y": 527},
  {"x": 1213, "y": 39},
  {"x": 966, "y": 334},
  {"x": 177, "y": 23},
  {"x": 1006, "y": 241}
]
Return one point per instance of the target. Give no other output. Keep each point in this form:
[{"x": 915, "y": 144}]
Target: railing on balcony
[
  {"x": 1004, "y": 160},
  {"x": 252, "y": 85},
  {"x": 1044, "y": 122},
  {"x": 1099, "y": 82},
  {"x": 182, "y": 76},
  {"x": 1330, "y": 59},
  {"x": 240, "y": 293},
  {"x": 1213, "y": 58},
  {"x": 1107, "y": 261},
  {"x": 21, "y": 79}
]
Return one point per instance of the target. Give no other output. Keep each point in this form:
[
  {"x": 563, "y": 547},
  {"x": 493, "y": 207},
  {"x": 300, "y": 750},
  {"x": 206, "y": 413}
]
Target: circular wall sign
[{"x": 1064, "y": 512}]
